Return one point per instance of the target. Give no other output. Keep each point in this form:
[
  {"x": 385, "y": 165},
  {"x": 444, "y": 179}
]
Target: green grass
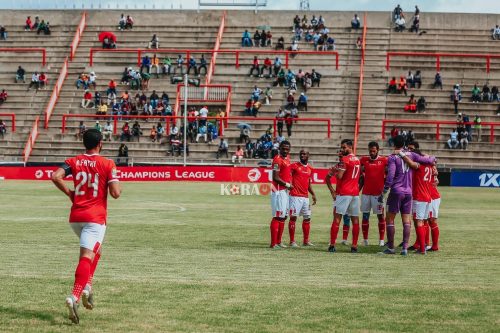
[{"x": 180, "y": 258}]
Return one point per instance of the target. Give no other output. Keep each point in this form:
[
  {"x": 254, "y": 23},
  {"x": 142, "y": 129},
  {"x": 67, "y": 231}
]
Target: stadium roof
[{"x": 464, "y": 6}]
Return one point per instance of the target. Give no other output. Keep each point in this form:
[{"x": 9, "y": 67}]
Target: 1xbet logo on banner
[
  {"x": 245, "y": 189},
  {"x": 489, "y": 180}
]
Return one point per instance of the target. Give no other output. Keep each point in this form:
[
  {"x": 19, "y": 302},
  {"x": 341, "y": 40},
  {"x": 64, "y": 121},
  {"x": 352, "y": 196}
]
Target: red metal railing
[
  {"x": 55, "y": 92},
  {"x": 30, "y": 143},
  {"x": 438, "y": 124},
  {"x": 360, "y": 89},
  {"x": 438, "y": 57},
  {"x": 78, "y": 35},
  {"x": 171, "y": 119},
  {"x": 27, "y": 50},
  {"x": 211, "y": 67},
  {"x": 188, "y": 53},
  {"x": 203, "y": 93},
  {"x": 12, "y": 118}
]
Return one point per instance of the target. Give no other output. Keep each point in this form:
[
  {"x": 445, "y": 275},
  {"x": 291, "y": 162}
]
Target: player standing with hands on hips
[{"x": 93, "y": 177}]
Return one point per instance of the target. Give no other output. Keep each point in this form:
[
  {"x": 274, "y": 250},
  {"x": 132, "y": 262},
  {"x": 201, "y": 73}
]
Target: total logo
[{"x": 254, "y": 175}]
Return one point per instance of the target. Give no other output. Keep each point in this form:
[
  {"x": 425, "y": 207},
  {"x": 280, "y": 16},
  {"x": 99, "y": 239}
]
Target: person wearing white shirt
[
  {"x": 174, "y": 130},
  {"x": 92, "y": 78},
  {"x": 400, "y": 24},
  {"x": 453, "y": 141},
  {"x": 203, "y": 114},
  {"x": 108, "y": 131},
  {"x": 496, "y": 33}
]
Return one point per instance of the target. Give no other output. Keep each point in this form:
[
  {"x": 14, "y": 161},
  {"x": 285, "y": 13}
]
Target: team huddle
[{"x": 407, "y": 178}]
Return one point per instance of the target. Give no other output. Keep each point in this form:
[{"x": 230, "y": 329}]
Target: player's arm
[
  {"x": 279, "y": 181},
  {"x": 58, "y": 180},
  {"x": 310, "y": 189},
  {"x": 328, "y": 181},
  {"x": 410, "y": 162},
  {"x": 361, "y": 181},
  {"x": 114, "y": 189},
  {"x": 389, "y": 179},
  {"x": 423, "y": 159}
]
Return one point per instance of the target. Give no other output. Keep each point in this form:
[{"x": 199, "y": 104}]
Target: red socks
[
  {"x": 421, "y": 238},
  {"x": 355, "y": 234},
  {"x": 274, "y": 232},
  {"x": 435, "y": 235},
  {"x": 365, "y": 225},
  {"x": 281, "y": 228},
  {"x": 291, "y": 231},
  {"x": 306, "y": 227},
  {"x": 381, "y": 228},
  {"x": 427, "y": 230},
  {"x": 345, "y": 232},
  {"x": 82, "y": 275},
  {"x": 97, "y": 256},
  {"x": 334, "y": 232}
]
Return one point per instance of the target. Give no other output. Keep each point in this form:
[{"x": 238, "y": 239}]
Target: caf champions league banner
[{"x": 226, "y": 174}]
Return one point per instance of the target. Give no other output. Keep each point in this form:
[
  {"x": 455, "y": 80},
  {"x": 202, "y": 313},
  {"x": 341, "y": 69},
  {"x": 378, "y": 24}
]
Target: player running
[
  {"x": 373, "y": 168},
  {"x": 93, "y": 176},
  {"x": 399, "y": 181},
  {"x": 346, "y": 197},
  {"x": 299, "y": 198},
  {"x": 282, "y": 178}
]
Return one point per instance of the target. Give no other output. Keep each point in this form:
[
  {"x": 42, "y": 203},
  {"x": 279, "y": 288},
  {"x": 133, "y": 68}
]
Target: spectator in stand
[
  {"x": 255, "y": 108},
  {"x": 468, "y": 126},
  {"x": 98, "y": 126},
  {"x": 280, "y": 45},
  {"x": 394, "y": 133},
  {"x": 400, "y": 24},
  {"x": 359, "y": 43},
  {"x": 246, "y": 41},
  {"x": 202, "y": 132},
  {"x": 41, "y": 27},
  {"x": 122, "y": 22},
  {"x": 111, "y": 87},
  {"x": 296, "y": 22},
  {"x": 294, "y": 48},
  {"x": 3, "y": 96},
  {"x": 154, "y": 43},
  {"x": 180, "y": 64},
  {"x": 421, "y": 104},
  {"x": 330, "y": 44},
  {"x": 92, "y": 80},
  {"x": 496, "y": 33},
  {"x": 410, "y": 80},
  {"x": 280, "y": 78},
  {"x": 417, "y": 80},
  {"x": 222, "y": 149},
  {"x": 3, "y": 33},
  {"x": 416, "y": 24},
  {"x": 314, "y": 22},
  {"x": 263, "y": 38},
  {"x": 86, "y": 100},
  {"x": 43, "y": 80},
  {"x": 108, "y": 131},
  {"x": 249, "y": 149},
  {"x": 486, "y": 93},
  {"x": 438, "y": 81},
  {"x": 174, "y": 131},
  {"x": 248, "y": 107},
  {"x": 355, "y": 23},
  {"x": 81, "y": 129},
  {"x": 192, "y": 64},
  {"x": 244, "y": 133},
  {"x": 316, "y": 78},
  {"x": 122, "y": 154},
  {"x": 269, "y": 39},
  {"x": 268, "y": 95},
  {"x": 126, "y": 133},
  {"x": 82, "y": 81},
  {"x": 20, "y": 74},
  {"x": 411, "y": 106},
  {"x": 267, "y": 65},
  {"x": 203, "y": 64},
  {"x": 155, "y": 63},
  {"x": 35, "y": 81},
  {"x": 145, "y": 63},
  {"x": 302, "y": 102},
  {"x": 307, "y": 82},
  {"x": 28, "y": 25},
  {"x": 136, "y": 130},
  {"x": 397, "y": 13},
  {"x": 392, "y": 88},
  {"x": 463, "y": 137},
  {"x": 289, "y": 124},
  {"x": 478, "y": 128},
  {"x": 238, "y": 155},
  {"x": 167, "y": 65},
  {"x": 300, "y": 77},
  {"x": 3, "y": 128},
  {"x": 102, "y": 109},
  {"x": 256, "y": 38},
  {"x": 453, "y": 141},
  {"x": 160, "y": 131},
  {"x": 129, "y": 24},
  {"x": 402, "y": 86},
  {"x": 495, "y": 96},
  {"x": 476, "y": 94},
  {"x": 153, "y": 133},
  {"x": 277, "y": 66},
  {"x": 255, "y": 66},
  {"x": 256, "y": 92}
]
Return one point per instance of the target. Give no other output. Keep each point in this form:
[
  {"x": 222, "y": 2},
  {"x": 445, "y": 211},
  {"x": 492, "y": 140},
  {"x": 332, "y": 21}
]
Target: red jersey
[
  {"x": 374, "y": 171},
  {"x": 282, "y": 165},
  {"x": 349, "y": 183},
  {"x": 421, "y": 179},
  {"x": 91, "y": 176},
  {"x": 433, "y": 190},
  {"x": 301, "y": 177}
]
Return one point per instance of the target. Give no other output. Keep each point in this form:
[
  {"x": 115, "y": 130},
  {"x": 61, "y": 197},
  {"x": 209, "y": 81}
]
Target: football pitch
[{"x": 178, "y": 257}]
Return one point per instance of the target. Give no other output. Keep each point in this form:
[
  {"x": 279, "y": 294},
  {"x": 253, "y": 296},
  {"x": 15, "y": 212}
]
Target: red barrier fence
[
  {"x": 360, "y": 88},
  {"x": 171, "y": 119},
  {"x": 438, "y": 57},
  {"x": 438, "y": 124},
  {"x": 12, "y": 118},
  {"x": 203, "y": 93},
  {"x": 188, "y": 53},
  {"x": 55, "y": 92},
  {"x": 78, "y": 35},
  {"x": 27, "y": 50},
  {"x": 211, "y": 67},
  {"x": 31, "y": 140}
]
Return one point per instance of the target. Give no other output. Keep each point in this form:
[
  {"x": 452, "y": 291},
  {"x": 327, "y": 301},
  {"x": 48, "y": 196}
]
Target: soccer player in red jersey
[
  {"x": 346, "y": 195},
  {"x": 93, "y": 177},
  {"x": 434, "y": 212},
  {"x": 373, "y": 168},
  {"x": 299, "y": 198},
  {"x": 282, "y": 178}
]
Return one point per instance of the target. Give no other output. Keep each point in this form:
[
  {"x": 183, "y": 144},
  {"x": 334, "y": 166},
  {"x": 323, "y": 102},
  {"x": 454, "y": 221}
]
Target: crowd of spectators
[
  {"x": 40, "y": 26},
  {"x": 125, "y": 23},
  {"x": 399, "y": 20}
]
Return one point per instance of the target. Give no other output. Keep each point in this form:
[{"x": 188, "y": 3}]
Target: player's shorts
[
  {"x": 91, "y": 234},
  {"x": 434, "y": 209},
  {"x": 420, "y": 209},
  {"x": 280, "y": 203},
  {"x": 299, "y": 206},
  {"x": 347, "y": 204},
  {"x": 399, "y": 203},
  {"x": 370, "y": 203}
]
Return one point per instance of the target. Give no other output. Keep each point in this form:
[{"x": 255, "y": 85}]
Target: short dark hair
[
  {"x": 285, "y": 142},
  {"x": 399, "y": 141},
  {"x": 373, "y": 144},
  {"x": 414, "y": 143},
  {"x": 347, "y": 142},
  {"x": 91, "y": 138}
]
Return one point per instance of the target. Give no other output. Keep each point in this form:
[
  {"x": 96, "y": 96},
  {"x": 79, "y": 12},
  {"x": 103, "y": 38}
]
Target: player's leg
[
  {"x": 427, "y": 229},
  {"x": 274, "y": 222},
  {"x": 306, "y": 222},
  {"x": 284, "y": 206},
  {"x": 433, "y": 222},
  {"x": 381, "y": 222},
  {"x": 354, "y": 213},
  {"x": 406, "y": 219},
  {"x": 339, "y": 209},
  {"x": 420, "y": 212},
  {"x": 346, "y": 225},
  {"x": 416, "y": 245},
  {"x": 366, "y": 206},
  {"x": 393, "y": 206},
  {"x": 294, "y": 209}
]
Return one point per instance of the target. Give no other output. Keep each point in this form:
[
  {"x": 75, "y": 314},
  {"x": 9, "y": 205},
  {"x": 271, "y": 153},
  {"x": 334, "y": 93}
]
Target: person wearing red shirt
[
  {"x": 43, "y": 80},
  {"x": 346, "y": 195},
  {"x": 93, "y": 177},
  {"x": 268, "y": 64},
  {"x": 87, "y": 99},
  {"x": 3, "y": 96},
  {"x": 282, "y": 178},
  {"x": 299, "y": 198},
  {"x": 255, "y": 66},
  {"x": 373, "y": 168}
]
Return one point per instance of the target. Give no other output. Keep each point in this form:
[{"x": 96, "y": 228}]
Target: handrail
[
  {"x": 360, "y": 89},
  {"x": 363, "y": 41},
  {"x": 168, "y": 119},
  {"x": 205, "y": 94},
  {"x": 188, "y": 53},
  {"x": 30, "y": 143},
  {"x": 78, "y": 35},
  {"x": 13, "y": 119},
  {"x": 438, "y": 124},
  {"x": 27, "y": 50},
  {"x": 211, "y": 67},
  {"x": 55, "y": 92},
  {"x": 438, "y": 57}
]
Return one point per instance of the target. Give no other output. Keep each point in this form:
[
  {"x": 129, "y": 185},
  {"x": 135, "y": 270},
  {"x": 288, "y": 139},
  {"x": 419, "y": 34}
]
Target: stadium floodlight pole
[{"x": 185, "y": 114}]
